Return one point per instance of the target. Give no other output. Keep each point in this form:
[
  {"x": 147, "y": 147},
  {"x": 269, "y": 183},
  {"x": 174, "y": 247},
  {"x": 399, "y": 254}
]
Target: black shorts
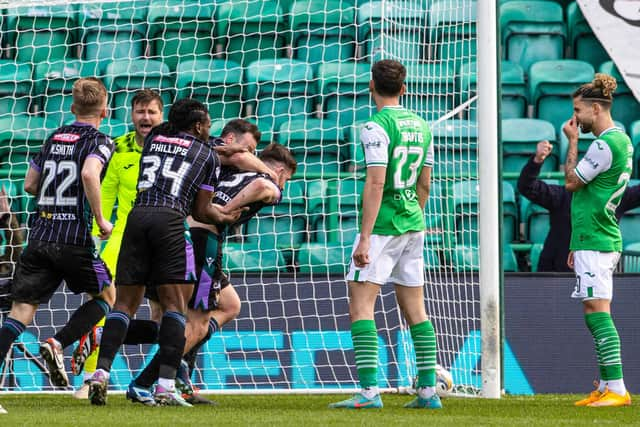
[
  {"x": 207, "y": 248},
  {"x": 155, "y": 249},
  {"x": 44, "y": 265}
]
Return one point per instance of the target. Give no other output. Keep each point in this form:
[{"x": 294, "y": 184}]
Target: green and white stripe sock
[
  {"x": 365, "y": 346},
  {"x": 424, "y": 342},
  {"x": 607, "y": 344}
]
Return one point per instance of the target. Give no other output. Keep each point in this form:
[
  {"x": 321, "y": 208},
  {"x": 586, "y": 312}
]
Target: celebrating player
[
  {"x": 214, "y": 301},
  {"x": 119, "y": 184},
  {"x": 598, "y": 182},
  {"x": 389, "y": 247},
  {"x": 65, "y": 176},
  {"x": 178, "y": 173}
]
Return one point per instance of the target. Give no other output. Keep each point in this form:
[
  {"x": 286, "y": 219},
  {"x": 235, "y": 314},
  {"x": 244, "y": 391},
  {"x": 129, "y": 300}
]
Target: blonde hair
[
  {"x": 89, "y": 97},
  {"x": 599, "y": 90}
]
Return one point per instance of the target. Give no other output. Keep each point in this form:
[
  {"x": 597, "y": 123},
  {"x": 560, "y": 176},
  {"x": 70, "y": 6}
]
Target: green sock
[
  {"x": 607, "y": 342},
  {"x": 365, "y": 346},
  {"x": 424, "y": 341}
]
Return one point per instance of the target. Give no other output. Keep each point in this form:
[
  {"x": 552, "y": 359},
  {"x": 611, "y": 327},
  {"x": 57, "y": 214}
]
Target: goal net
[{"x": 300, "y": 69}]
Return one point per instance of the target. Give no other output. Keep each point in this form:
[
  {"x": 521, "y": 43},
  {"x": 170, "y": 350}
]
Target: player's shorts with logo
[
  {"x": 394, "y": 259},
  {"x": 155, "y": 250},
  {"x": 594, "y": 274},
  {"x": 44, "y": 265},
  {"x": 207, "y": 249}
]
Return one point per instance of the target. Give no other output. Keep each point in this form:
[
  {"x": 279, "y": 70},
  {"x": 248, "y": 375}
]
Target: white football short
[
  {"x": 594, "y": 274},
  {"x": 395, "y": 259}
]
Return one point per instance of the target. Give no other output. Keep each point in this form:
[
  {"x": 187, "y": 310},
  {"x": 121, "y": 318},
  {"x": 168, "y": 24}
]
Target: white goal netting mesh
[{"x": 300, "y": 69}]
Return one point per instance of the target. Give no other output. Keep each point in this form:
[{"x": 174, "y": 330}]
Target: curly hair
[{"x": 600, "y": 90}]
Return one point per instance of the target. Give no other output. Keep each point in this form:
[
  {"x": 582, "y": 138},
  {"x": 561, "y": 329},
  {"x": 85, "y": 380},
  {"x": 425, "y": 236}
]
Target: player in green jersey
[
  {"x": 598, "y": 181},
  {"x": 389, "y": 248}
]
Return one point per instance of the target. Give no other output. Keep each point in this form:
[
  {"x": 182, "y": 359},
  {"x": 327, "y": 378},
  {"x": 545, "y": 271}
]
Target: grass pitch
[{"x": 311, "y": 410}]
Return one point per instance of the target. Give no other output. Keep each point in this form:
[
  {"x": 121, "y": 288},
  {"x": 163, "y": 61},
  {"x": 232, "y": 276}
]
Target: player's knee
[
  {"x": 108, "y": 295},
  {"x": 233, "y": 308}
]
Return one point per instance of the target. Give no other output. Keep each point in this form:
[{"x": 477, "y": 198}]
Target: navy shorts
[
  {"x": 44, "y": 265},
  {"x": 207, "y": 249},
  {"x": 155, "y": 249}
]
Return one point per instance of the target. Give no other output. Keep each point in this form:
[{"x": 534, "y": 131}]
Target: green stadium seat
[
  {"x": 464, "y": 195},
  {"x": 430, "y": 90},
  {"x": 532, "y": 31},
  {"x": 54, "y": 82},
  {"x": 318, "y": 205},
  {"x": 452, "y": 29},
  {"x": 271, "y": 230},
  {"x": 124, "y": 77},
  {"x": 534, "y": 255},
  {"x": 467, "y": 258},
  {"x": 585, "y": 46},
  {"x": 250, "y": 30},
  {"x": 21, "y": 137},
  {"x": 15, "y": 87},
  {"x": 584, "y": 141},
  {"x": 217, "y": 83},
  {"x": 513, "y": 94},
  {"x": 283, "y": 225},
  {"x": 250, "y": 258},
  {"x": 630, "y": 222},
  {"x": 340, "y": 223},
  {"x": 322, "y": 258},
  {"x": 113, "y": 30},
  {"x": 314, "y": 143},
  {"x": 42, "y": 33},
  {"x": 625, "y": 107},
  {"x": 323, "y": 31},
  {"x": 344, "y": 88},
  {"x": 519, "y": 140},
  {"x": 404, "y": 23},
  {"x": 356, "y": 152},
  {"x": 114, "y": 127},
  {"x": 455, "y": 148},
  {"x": 537, "y": 223},
  {"x": 551, "y": 85},
  {"x": 181, "y": 30},
  {"x": 431, "y": 259},
  {"x": 631, "y": 258},
  {"x": 634, "y": 132},
  {"x": 436, "y": 205},
  {"x": 280, "y": 89}
]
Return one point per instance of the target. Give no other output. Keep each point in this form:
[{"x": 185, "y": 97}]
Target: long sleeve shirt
[{"x": 557, "y": 200}]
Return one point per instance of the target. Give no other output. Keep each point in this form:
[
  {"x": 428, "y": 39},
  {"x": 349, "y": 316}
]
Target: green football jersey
[
  {"x": 400, "y": 140},
  {"x": 605, "y": 169}
]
